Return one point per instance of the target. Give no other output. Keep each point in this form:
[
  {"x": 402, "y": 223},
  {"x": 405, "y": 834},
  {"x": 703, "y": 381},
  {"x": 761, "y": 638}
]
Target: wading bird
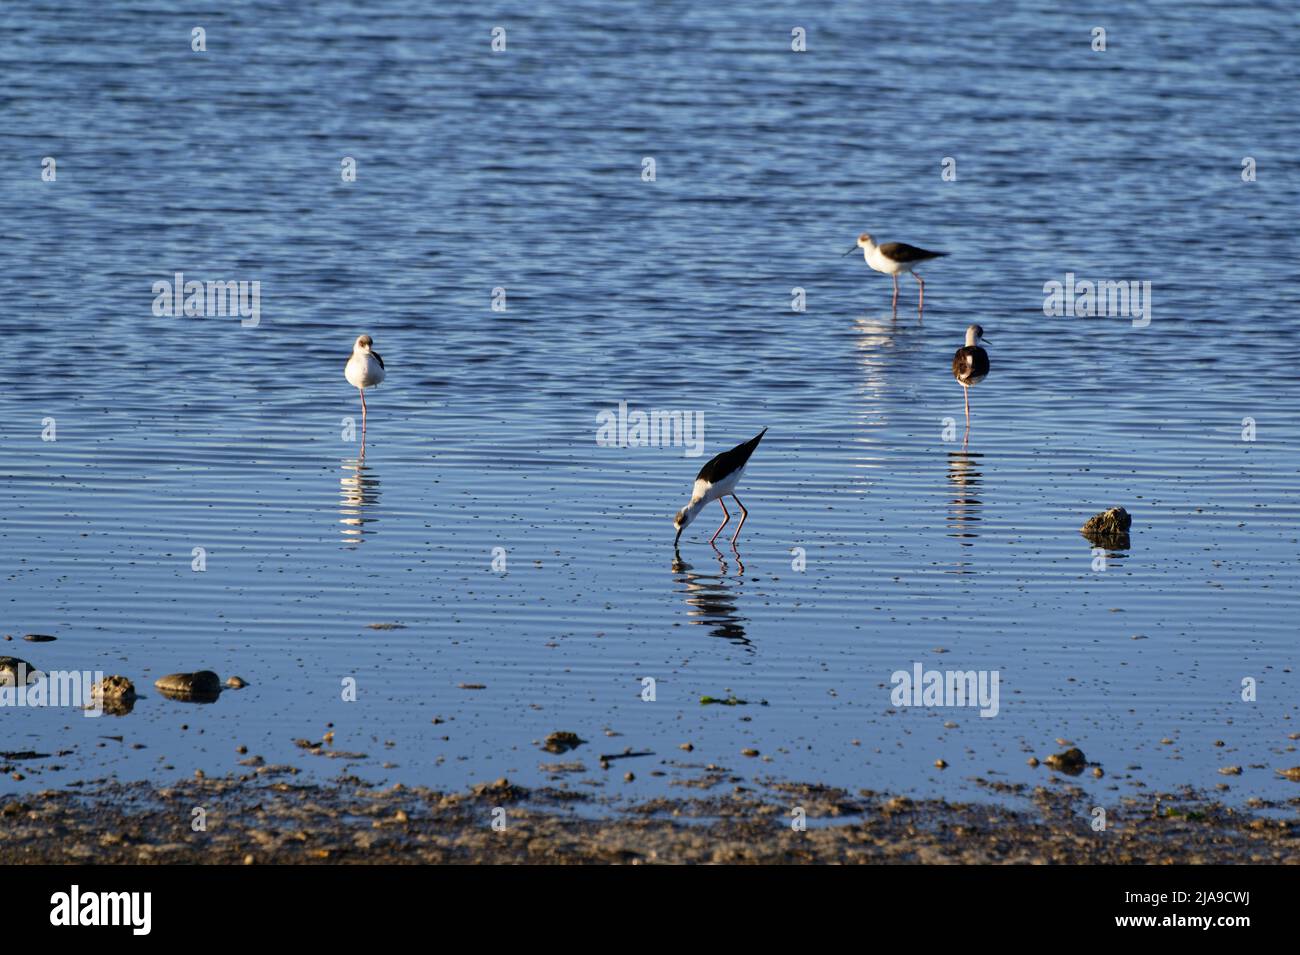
[
  {"x": 364, "y": 369},
  {"x": 970, "y": 364},
  {"x": 715, "y": 481},
  {"x": 894, "y": 257}
]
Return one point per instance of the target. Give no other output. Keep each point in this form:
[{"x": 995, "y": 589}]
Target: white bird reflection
[
  {"x": 875, "y": 344},
  {"x": 358, "y": 491}
]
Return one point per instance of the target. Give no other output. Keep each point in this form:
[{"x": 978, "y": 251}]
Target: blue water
[{"x": 523, "y": 170}]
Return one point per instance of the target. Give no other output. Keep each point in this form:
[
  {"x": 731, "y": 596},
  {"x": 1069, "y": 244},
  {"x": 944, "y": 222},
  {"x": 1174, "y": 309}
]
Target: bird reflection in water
[
  {"x": 876, "y": 352},
  {"x": 711, "y": 600},
  {"x": 964, "y": 477},
  {"x": 358, "y": 491}
]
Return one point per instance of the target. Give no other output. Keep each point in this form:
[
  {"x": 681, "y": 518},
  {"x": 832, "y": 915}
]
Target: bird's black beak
[
  {"x": 985, "y": 340},
  {"x": 850, "y": 252},
  {"x": 677, "y": 538}
]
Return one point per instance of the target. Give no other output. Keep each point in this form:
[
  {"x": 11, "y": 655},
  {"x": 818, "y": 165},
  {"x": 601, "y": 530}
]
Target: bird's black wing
[
  {"x": 960, "y": 363},
  {"x": 970, "y": 362},
  {"x": 720, "y": 465},
  {"x": 377, "y": 358},
  {"x": 902, "y": 252}
]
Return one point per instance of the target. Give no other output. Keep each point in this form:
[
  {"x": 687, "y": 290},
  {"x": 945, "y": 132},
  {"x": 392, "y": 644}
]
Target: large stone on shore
[
  {"x": 202, "y": 686},
  {"x": 9, "y": 667},
  {"x": 502, "y": 790}
]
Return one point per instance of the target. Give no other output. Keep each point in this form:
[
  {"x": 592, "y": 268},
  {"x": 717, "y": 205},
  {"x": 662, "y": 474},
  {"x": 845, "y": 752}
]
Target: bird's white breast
[
  {"x": 363, "y": 370},
  {"x": 878, "y": 261},
  {"x": 704, "y": 491}
]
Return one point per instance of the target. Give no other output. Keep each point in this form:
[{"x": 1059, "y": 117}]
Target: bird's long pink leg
[
  {"x": 967, "y": 391},
  {"x": 363, "y": 409},
  {"x": 895, "y": 306},
  {"x": 920, "y": 306},
  {"x": 723, "y": 524},
  {"x": 743, "y": 514}
]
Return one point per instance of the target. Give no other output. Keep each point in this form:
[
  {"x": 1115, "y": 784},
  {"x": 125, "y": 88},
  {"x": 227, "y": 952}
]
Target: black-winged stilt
[
  {"x": 364, "y": 369},
  {"x": 715, "y": 481},
  {"x": 970, "y": 364},
  {"x": 893, "y": 258}
]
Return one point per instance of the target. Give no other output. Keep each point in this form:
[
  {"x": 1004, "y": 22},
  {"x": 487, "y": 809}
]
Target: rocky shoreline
[{"x": 267, "y": 820}]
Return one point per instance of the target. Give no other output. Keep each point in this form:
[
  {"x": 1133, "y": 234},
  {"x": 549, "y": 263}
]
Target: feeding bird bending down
[
  {"x": 893, "y": 258},
  {"x": 716, "y": 480},
  {"x": 364, "y": 369},
  {"x": 970, "y": 364}
]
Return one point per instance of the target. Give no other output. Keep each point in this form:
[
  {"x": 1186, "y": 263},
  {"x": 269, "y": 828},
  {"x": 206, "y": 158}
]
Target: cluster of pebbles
[{"x": 116, "y": 694}]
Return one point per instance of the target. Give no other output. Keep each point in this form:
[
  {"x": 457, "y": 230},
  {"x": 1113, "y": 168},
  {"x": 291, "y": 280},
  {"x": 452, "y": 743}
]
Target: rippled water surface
[{"x": 875, "y": 539}]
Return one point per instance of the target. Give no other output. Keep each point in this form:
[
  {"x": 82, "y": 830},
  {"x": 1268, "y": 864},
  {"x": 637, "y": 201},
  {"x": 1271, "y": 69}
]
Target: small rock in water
[
  {"x": 1070, "y": 762},
  {"x": 202, "y": 686},
  {"x": 115, "y": 695},
  {"x": 39, "y": 638},
  {"x": 236, "y": 682},
  {"x": 562, "y": 742},
  {"x": 9, "y": 671},
  {"x": 1109, "y": 528},
  {"x": 114, "y": 687},
  {"x": 1230, "y": 770},
  {"x": 940, "y": 764},
  {"x": 1292, "y": 774}
]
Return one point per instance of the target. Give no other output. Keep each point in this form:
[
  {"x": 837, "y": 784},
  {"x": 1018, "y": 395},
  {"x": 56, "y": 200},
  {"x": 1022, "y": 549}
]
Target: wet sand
[{"x": 268, "y": 818}]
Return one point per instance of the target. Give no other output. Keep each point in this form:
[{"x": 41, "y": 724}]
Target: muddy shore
[{"x": 267, "y": 820}]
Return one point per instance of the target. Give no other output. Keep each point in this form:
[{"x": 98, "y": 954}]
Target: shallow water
[{"x": 522, "y": 170}]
